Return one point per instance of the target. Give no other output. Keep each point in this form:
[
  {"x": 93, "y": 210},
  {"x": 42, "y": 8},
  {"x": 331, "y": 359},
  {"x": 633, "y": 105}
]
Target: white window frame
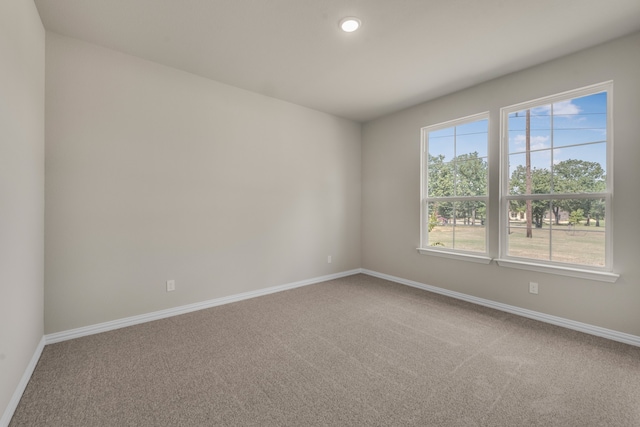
[
  {"x": 575, "y": 270},
  {"x": 473, "y": 256}
]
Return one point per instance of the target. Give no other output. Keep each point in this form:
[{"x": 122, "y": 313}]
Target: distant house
[{"x": 549, "y": 216}]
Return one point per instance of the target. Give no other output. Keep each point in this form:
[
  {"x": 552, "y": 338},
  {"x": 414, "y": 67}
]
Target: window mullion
[{"x": 551, "y": 186}]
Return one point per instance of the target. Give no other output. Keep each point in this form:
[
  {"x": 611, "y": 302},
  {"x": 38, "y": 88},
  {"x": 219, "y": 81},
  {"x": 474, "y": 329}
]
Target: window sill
[
  {"x": 601, "y": 276},
  {"x": 480, "y": 259}
]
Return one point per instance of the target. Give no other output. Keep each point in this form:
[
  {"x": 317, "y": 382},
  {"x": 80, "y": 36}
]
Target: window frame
[
  {"x": 603, "y": 273},
  {"x": 466, "y": 255}
]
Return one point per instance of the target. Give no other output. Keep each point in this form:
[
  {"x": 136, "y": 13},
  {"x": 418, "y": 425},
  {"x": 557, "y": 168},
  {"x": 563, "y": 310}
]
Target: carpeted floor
[{"x": 357, "y": 351}]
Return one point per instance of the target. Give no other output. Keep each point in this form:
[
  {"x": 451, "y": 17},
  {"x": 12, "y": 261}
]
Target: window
[
  {"x": 557, "y": 182},
  {"x": 454, "y": 188}
]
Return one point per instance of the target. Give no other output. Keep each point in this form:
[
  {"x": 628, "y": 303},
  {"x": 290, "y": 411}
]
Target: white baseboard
[
  {"x": 554, "y": 320},
  {"x": 134, "y": 320},
  {"x": 22, "y": 385},
  {"x": 156, "y": 315}
]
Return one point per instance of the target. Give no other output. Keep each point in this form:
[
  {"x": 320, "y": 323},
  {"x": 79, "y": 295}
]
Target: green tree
[
  {"x": 576, "y": 216},
  {"x": 433, "y": 221},
  {"x": 441, "y": 182},
  {"x": 540, "y": 184},
  {"x": 465, "y": 175},
  {"x": 471, "y": 175},
  {"x": 471, "y": 180},
  {"x": 441, "y": 177},
  {"x": 597, "y": 210},
  {"x": 577, "y": 176}
]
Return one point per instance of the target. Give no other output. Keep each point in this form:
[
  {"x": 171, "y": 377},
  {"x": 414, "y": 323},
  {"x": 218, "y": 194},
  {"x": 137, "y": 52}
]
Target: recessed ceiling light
[{"x": 350, "y": 24}]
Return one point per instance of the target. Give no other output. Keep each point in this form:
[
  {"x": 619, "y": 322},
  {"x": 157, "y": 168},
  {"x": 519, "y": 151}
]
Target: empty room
[{"x": 319, "y": 212}]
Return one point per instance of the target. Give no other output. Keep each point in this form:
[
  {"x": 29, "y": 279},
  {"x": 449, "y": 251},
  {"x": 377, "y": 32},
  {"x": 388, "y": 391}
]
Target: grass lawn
[
  {"x": 467, "y": 237},
  {"x": 576, "y": 245}
]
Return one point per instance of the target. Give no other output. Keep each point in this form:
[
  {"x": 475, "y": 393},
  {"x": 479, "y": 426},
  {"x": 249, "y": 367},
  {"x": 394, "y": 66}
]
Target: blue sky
[
  {"x": 469, "y": 137},
  {"x": 579, "y": 132}
]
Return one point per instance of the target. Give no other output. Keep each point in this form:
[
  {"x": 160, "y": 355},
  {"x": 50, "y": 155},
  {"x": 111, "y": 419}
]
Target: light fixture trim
[{"x": 350, "y": 24}]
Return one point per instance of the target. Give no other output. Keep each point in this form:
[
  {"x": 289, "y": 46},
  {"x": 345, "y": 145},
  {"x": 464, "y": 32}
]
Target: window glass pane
[
  {"x": 470, "y": 234},
  {"x": 529, "y": 238},
  {"x": 478, "y": 126},
  {"x": 564, "y": 137},
  {"x": 540, "y": 173},
  {"x": 441, "y": 178},
  {"x": 516, "y": 173},
  {"x": 471, "y": 176},
  {"x": 540, "y": 117},
  {"x": 472, "y": 143},
  {"x": 538, "y": 140},
  {"x": 539, "y": 129},
  {"x": 538, "y": 159},
  {"x": 440, "y": 224},
  {"x": 441, "y": 148},
  {"x": 580, "y": 120},
  {"x": 578, "y": 233},
  {"x": 580, "y": 169},
  {"x": 576, "y": 227},
  {"x": 442, "y": 132},
  {"x": 472, "y": 138},
  {"x": 516, "y": 124}
]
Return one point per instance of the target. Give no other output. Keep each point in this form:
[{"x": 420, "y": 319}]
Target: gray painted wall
[
  {"x": 22, "y": 43},
  {"x": 155, "y": 174},
  {"x": 391, "y": 192}
]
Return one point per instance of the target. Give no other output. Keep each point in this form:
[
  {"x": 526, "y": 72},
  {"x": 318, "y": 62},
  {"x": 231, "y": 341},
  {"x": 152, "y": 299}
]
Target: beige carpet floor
[{"x": 357, "y": 351}]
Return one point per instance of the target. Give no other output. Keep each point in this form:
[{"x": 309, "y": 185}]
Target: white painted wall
[
  {"x": 22, "y": 43},
  {"x": 391, "y": 192},
  {"x": 153, "y": 174}
]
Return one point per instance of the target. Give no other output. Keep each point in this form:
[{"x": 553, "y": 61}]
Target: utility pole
[{"x": 528, "y": 155}]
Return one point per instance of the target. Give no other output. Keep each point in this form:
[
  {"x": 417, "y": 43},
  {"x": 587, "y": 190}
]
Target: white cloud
[
  {"x": 565, "y": 107},
  {"x": 559, "y": 108},
  {"x": 536, "y": 142}
]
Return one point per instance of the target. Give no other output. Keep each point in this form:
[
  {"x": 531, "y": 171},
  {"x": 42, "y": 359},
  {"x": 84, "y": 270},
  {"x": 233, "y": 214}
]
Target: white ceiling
[{"x": 407, "y": 51}]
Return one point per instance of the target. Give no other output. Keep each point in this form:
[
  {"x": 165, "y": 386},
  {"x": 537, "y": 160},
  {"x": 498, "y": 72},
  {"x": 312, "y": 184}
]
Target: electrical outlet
[
  {"x": 329, "y": 259},
  {"x": 533, "y": 288},
  {"x": 171, "y": 285}
]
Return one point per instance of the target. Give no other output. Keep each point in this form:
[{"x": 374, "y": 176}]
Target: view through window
[
  {"x": 455, "y": 189},
  {"x": 557, "y": 187}
]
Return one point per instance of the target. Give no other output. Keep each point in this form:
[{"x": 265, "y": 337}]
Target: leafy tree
[
  {"x": 471, "y": 180},
  {"x": 577, "y": 176},
  {"x": 570, "y": 176},
  {"x": 441, "y": 177},
  {"x": 576, "y": 216},
  {"x": 441, "y": 181},
  {"x": 465, "y": 175},
  {"x": 597, "y": 210},
  {"x": 471, "y": 175},
  {"x": 433, "y": 221},
  {"x": 540, "y": 184}
]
